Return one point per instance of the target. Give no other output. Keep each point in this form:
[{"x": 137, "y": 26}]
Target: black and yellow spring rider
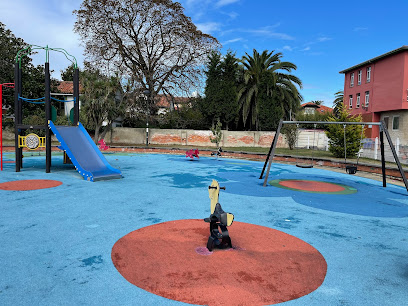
[{"x": 219, "y": 220}]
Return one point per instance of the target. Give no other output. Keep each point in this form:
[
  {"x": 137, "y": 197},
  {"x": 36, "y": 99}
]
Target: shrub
[
  {"x": 291, "y": 133},
  {"x": 335, "y": 133}
]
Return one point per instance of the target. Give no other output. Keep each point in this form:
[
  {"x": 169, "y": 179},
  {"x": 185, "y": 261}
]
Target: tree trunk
[
  {"x": 96, "y": 138},
  {"x": 105, "y": 131}
]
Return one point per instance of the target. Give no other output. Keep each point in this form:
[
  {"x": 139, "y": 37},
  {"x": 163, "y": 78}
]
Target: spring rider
[
  {"x": 192, "y": 153},
  {"x": 219, "y": 220}
]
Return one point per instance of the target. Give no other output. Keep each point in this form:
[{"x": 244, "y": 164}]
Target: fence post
[
  {"x": 308, "y": 141},
  {"x": 376, "y": 148},
  {"x": 327, "y": 143},
  {"x": 397, "y": 145}
]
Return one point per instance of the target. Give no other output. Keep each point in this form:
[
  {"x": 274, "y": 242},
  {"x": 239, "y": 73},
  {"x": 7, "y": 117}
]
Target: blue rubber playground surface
[{"x": 56, "y": 243}]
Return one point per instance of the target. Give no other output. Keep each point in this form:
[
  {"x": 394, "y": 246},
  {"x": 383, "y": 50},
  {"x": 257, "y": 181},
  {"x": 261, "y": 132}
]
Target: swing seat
[
  {"x": 351, "y": 169},
  {"x": 304, "y": 166}
]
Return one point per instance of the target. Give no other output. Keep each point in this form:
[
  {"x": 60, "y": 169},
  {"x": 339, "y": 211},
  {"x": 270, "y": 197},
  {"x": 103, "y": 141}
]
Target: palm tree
[
  {"x": 282, "y": 87},
  {"x": 338, "y": 103},
  {"x": 317, "y": 102}
]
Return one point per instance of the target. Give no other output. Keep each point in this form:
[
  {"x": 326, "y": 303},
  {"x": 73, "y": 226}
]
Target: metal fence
[
  {"x": 370, "y": 147},
  {"x": 315, "y": 139}
]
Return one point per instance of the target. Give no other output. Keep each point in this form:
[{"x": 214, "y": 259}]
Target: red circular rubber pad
[
  {"x": 313, "y": 186},
  {"x": 29, "y": 184},
  {"x": 265, "y": 266}
]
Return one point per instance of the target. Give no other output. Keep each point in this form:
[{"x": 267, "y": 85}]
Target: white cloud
[
  {"x": 271, "y": 34},
  {"x": 231, "y": 15},
  {"x": 267, "y": 32},
  {"x": 208, "y": 27},
  {"x": 196, "y": 8},
  {"x": 45, "y": 24},
  {"x": 221, "y": 3},
  {"x": 287, "y": 48},
  {"x": 318, "y": 40},
  {"x": 323, "y": 38},
  {"x": 359, "y": 29},
  {"x": 232, "y": 41}
]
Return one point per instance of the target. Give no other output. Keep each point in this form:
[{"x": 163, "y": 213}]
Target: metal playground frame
[{"x": 383, "y": 130}]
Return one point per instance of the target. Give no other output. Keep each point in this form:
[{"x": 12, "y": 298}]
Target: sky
[{"x": 320, "y": 37}]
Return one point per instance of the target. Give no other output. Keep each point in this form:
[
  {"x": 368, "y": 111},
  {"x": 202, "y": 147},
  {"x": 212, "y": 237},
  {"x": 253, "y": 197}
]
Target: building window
[
  {"x": 359, "y": 77},
  {"x": 368, "y": 74},
  {"x": 367, "y": 98},
  {"x": 395, "y": 122},
  {"x": 352, "y": 79},
  {"x": 386, "y": 119},
  {"x": 350, "y": 101},
  {"x": 358, "y": 101}
]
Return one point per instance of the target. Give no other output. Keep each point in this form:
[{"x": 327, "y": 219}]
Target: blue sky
[{"x": 320, "y": 37}]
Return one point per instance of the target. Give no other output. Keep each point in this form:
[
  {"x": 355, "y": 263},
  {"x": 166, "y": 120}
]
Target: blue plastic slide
[{"x": 83, "y": 152}]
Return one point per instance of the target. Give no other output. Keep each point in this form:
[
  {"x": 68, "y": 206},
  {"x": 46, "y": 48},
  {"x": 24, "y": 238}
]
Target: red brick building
[{"x": 378, "y": 90}]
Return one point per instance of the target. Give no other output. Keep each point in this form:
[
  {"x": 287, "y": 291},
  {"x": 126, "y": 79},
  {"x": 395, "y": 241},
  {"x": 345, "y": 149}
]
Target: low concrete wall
[
  {"x": 201, "y": 138},
  {"x": 137, "y": 136},
  {"x": 127, "y": 136}
]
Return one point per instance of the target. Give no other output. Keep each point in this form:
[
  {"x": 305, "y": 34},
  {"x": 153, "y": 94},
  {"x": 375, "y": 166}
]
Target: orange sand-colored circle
[
  {"x": 265, "y": 266},
  {"x": 29, "y": 184}
]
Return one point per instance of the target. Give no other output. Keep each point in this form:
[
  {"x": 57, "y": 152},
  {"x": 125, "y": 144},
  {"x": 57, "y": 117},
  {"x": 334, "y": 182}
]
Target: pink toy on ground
[
  {"x": 192, "y": 153},
  {"x": 102, "y": 145}
]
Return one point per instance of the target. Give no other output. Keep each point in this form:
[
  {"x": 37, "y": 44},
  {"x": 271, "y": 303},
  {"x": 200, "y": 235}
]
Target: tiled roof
[
  {"x": 164, "y": 102},
  {"x": 67, "y": 87},
  {"x": 319, "y": 108}
]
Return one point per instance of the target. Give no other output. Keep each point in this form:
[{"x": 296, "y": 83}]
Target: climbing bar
[
  {"x": 34, "y": 101},
  {"x": 26, "y": 51},
  {"x": 63, "y": 101}
]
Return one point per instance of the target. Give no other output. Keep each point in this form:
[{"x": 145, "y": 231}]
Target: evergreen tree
[
  {"x": 229, "y": 91},
  {"x": 68, "y": 73},
  {"x": 213, "y": 90},
  {"x": 270, "y": 110},
  {"x": 103, "y": 99},
  {"x": 335, "y": 133},
  {"x": 32, "y": 78},
  {"x": 9, "y": 46}
]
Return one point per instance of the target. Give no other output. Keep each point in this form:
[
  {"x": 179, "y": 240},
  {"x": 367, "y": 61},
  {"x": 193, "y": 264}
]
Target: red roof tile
[
  {"x": 67, "y": 87},
  {"x": 319, "y": 108},
  {"x": 164, "y": 102}
]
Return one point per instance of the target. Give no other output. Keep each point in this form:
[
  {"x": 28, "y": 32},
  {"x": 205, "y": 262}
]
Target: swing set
[
  {"x": 350, "y": 169},
  {"x": 302, "y": 164}
]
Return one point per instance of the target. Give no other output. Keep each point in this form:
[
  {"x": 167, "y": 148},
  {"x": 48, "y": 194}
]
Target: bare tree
[{"x": 152, "y": 42}]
